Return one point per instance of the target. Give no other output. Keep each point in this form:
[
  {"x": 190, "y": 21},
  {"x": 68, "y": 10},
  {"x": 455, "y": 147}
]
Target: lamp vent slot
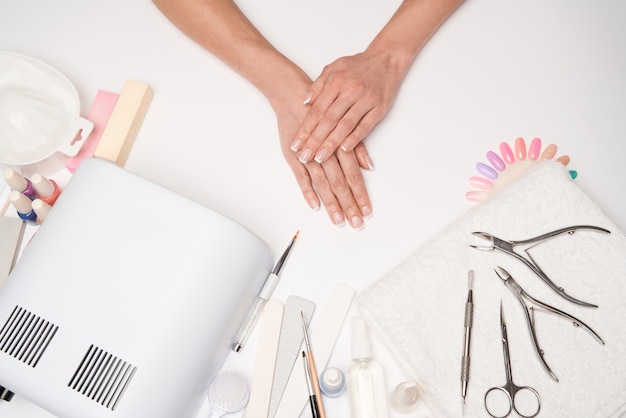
[
  {"x": 26, "y": 336},
  {"x": 102, "y": 377}
]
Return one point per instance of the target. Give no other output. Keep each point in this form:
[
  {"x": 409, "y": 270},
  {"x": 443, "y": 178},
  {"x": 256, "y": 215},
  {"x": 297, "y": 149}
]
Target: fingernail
[
  {"x": 313, "y": 204},
  {"x": 305, "y": 156},
  {"x": 339, "y": 221},
  {"x": 369, "y": 162},
  {"x": 345, "y": 147},
  {"x": 321, "y": 155},
  {"x": 357, "y": 223},
  {"x": 296, "y": 145},
  {"x": 366, "y": 211},
  {"x": 308, "y": 97}
]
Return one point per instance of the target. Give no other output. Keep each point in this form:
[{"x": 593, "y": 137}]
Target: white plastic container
[
  {"x": 366, "y": 381},
  {"x": 39, "y": 112}
]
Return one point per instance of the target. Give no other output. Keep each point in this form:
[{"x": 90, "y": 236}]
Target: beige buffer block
[{"x": 121, "y": 131}]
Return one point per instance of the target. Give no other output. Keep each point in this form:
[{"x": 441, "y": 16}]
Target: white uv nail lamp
[{"x": 126, "y": 301}]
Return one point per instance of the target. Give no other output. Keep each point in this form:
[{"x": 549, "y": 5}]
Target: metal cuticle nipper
[
  {"x": 521, "y": 295},
  {"x": 508, "y": 247}
]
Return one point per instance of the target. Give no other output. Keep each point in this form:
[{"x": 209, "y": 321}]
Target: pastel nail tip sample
[
  {"x": 520, "y": 149},
  {"x": 487, "y": 171},
  {"x": 534, "y": 149},
  {"x": 507, "y": 153},
  {"x": 519, "y": 160},
  {"x": 480, "y": 183},
  {"x": 496, "y": 161},
  {"x": 549, "y": 152},
  {"x": 477, "y": 196}
]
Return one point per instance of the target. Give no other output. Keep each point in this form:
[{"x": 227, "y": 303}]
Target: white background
[{"x": 495, "y": 71}]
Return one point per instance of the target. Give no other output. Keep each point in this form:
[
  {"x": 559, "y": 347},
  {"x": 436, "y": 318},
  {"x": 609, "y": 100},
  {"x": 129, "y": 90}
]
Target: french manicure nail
[
  {"x": 366, "y": 211},
  {"x": 313, "y": 204},
  {"x": 369, "y": 162},
  {"x": 296, "y": 145},
  {"x": 357, "y": 223},
  {"x": 339, "y": 221},
  {"x": 305, "y": 156},
  {"x": 321, "y": 155},
  {"x": 308, "y": 97}
]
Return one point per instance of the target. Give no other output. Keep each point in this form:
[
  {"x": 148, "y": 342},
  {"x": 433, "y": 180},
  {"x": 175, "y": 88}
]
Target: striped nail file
[{"x": 289, "y": 346}]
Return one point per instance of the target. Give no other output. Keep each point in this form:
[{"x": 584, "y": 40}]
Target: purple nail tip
[
  {"x": 496, "y": 161},
  {"x": 487, "y": 171}
]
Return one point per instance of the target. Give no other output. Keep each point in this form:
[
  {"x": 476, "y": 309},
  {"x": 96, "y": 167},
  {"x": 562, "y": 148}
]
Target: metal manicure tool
[
  {"x": 467, "y": 326},
  {"x": 510, "y": 389},
  {"x": 508, "y": 247},
  {"x": 521, "y": 295}
]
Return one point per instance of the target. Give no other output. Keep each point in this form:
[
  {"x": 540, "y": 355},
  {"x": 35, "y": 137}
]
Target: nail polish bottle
[
  {"x": 366, "y": 384},
  {"x": 23, "y": 205},
  {"x": 47, "y": 189},
  {"x": 41, "y": 209},
  {"x": 20, "y": 183}
]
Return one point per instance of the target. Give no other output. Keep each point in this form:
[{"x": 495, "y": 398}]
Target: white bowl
[{"x": 39, "y": 112}]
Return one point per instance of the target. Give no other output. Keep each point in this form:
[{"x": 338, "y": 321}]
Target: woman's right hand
[{"x": 337, "y": 183}]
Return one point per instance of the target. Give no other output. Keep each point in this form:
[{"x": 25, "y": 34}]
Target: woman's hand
[
  {"x": 351, "y": 95},
  {"x": 338, "y": 183}
]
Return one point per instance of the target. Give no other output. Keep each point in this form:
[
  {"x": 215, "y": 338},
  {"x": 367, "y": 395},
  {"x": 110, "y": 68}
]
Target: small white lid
[
  {"x": 14, "y": 179},
  {"x": 22, "y": 203},
  {"x": 42, "y": 185},
  {"x": 41, "y": 208},
  {"x": 332, "y": 382},
  {"x": 405, "y": 397}
]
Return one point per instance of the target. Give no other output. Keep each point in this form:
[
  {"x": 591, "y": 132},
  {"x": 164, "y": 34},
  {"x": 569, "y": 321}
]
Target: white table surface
[{"x": 495, "y": 71}]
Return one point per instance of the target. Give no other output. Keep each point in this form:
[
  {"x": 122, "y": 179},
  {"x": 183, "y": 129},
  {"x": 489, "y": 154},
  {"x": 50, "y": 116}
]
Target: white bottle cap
[
  {"x": 14, "y": 180},
  {"x": 42, "y": 185},
  {"x": 361, "y": 347},
  {"x": 405, "y": 397},
  {"x": 22, "y": 203},
  {"x": 41, "y": 208},
  {"x": 332, "y": 382}
]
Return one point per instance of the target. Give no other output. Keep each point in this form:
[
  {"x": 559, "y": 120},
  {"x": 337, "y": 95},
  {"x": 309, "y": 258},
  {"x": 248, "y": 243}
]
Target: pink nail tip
[
  {"x": 507, "y": 153},
  {"x": 487, "y": 171},
  {"x": 534, "y": 149},
  {"x": 520, "y": 149},
  {"x": 481, "y": 183},
  {"x": 477, "y": 196},
  {"x": 496, "y": 161}
]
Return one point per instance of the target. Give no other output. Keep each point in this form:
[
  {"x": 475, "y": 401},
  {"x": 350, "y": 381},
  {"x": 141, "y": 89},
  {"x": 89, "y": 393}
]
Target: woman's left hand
[{"x": 346, "y": 101}]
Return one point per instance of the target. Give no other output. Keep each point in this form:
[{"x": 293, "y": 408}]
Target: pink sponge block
[{"x": 99, "y": 115}]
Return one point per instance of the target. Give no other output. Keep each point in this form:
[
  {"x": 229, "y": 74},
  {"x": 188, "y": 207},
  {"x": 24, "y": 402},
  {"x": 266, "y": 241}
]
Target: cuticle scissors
[
  {"x": 508, "y": 247},
  {"x": 510, "y": 389},
  {"x": 517, "y": 290}
]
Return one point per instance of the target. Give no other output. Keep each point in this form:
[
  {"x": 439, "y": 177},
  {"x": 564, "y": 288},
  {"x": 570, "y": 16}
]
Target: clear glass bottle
[{"x": 366, "y": 381}]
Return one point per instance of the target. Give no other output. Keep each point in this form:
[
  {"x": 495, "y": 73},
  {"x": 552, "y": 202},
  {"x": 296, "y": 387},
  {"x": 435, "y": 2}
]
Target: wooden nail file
[
  {"x": 265, "y": 361},
  {"x": 11, "y": 231},
  {"x": 119, "y": 135},
  {"x": 289, "y": 346},
  {"x": 323, "y": 339}
]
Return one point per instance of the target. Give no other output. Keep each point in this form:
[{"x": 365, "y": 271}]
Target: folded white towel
[{"x": 417, "y": 309}]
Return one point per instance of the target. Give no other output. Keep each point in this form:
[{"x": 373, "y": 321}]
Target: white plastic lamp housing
[{"x": 126, "y": 301}]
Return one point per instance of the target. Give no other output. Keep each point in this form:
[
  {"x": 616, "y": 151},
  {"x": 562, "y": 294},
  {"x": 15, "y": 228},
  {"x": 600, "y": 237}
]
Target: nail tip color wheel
[{"x": 509, "y": 164}]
